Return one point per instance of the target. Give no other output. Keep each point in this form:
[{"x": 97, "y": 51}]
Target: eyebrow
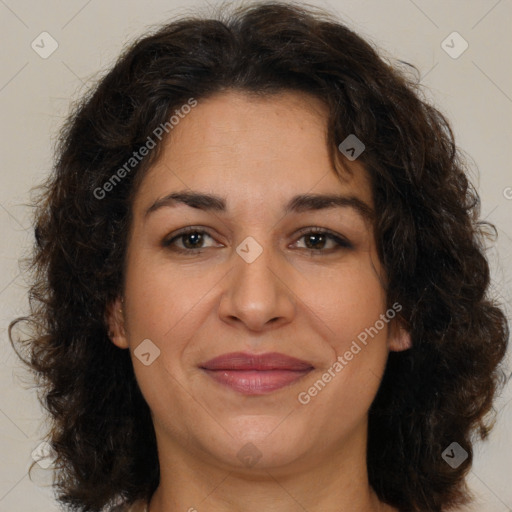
[{"x": 297, "y": 204}]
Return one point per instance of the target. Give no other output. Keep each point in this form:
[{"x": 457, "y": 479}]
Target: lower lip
[{"x": 256, "y": 382}]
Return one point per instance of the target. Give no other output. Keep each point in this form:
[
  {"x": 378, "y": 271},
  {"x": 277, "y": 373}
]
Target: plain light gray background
[{"x": 474, "y": 90}]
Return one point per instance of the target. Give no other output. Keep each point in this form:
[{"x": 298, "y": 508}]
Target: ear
[
  {"x": 399, "y": 338},
  {"x": 115, "y": 322}
]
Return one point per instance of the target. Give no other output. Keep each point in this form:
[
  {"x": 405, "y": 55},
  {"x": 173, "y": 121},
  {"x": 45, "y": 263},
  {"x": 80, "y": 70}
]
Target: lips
[
  {"x": 244, "y": 361},
  {"x": 256, "y": 374}
]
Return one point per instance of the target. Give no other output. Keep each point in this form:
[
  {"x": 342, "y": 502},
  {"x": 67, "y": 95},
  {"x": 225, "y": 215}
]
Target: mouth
[{"x": 256, "y": 374}]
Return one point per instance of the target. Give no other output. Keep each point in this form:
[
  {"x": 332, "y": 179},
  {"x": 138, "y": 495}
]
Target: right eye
[{"x": 188, "y": 240}]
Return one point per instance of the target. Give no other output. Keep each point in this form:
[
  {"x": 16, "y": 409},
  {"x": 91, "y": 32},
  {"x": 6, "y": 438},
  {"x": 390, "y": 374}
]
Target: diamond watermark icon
[
  {"x": 146, "y": 352},
  {"x": 43, "y": 455},
  {"x": 44, "y": 45},
  {"x": 249, "y": 249},
  {"x": 454, "y": 455},
  {"x": 351, "y": 147},
  {"x": 454, "y": 45},
  {"x": 249, "y": 455}
]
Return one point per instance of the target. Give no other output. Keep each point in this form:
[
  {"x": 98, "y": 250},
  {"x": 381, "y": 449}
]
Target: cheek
[
  {"x": 161, "y": 296},
  {"x": 357, "y": 350},
  {"x": 352, "y": 300}
]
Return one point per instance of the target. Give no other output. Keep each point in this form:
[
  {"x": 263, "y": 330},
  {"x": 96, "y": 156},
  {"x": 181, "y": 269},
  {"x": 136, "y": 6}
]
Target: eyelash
[{"x": 341, "y": 242}]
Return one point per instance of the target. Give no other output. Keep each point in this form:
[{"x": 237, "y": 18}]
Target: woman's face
[{"x": 253, "y": 277}]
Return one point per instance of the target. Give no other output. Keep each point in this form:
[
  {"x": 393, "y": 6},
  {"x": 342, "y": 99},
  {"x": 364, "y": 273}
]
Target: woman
[{"x": 260, "y": 281}]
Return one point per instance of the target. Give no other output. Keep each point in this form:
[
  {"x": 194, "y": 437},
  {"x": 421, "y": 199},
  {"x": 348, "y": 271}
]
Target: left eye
[{"x": 316, "y": 240}]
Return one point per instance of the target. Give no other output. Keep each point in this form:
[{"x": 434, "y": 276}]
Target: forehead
[{"x": 254, "y": 149}]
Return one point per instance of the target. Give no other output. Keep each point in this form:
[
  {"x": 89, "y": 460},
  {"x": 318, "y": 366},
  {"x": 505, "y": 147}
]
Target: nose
[{"x": 259, "y": 293}]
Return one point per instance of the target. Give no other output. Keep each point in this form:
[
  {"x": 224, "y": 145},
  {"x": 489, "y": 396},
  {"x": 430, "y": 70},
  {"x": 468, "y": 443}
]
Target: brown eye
[
  {"x": 192, "y": 240},
  {"x": 316, "y": 240},
  {"x": 188, "y": 240}
]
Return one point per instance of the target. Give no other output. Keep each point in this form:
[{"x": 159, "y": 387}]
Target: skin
[{"x": 256, "y": 154}]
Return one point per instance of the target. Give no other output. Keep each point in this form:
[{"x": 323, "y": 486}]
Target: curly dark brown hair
[{"x": 426, "y": 228}]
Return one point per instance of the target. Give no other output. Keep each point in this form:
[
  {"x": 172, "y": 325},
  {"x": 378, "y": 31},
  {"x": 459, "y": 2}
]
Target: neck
[{"x": 336, "y": 483}]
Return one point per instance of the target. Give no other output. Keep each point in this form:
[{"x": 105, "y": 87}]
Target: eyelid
[
  {"x": 341, "y": 241},
  {"x": 185, "y": 231},
  {"x": 325, "y": 231}
]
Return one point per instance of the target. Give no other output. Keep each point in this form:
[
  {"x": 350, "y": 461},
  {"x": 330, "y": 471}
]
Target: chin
[{"x": 258, "y": 442}]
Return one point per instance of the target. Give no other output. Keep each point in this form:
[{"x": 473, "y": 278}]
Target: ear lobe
[
  {"x": 399, "y": 338},
  {"x": 115, "y": 322}
]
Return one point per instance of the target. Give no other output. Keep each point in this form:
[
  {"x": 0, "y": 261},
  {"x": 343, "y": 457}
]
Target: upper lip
[{"x": 246, "y": 361}]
